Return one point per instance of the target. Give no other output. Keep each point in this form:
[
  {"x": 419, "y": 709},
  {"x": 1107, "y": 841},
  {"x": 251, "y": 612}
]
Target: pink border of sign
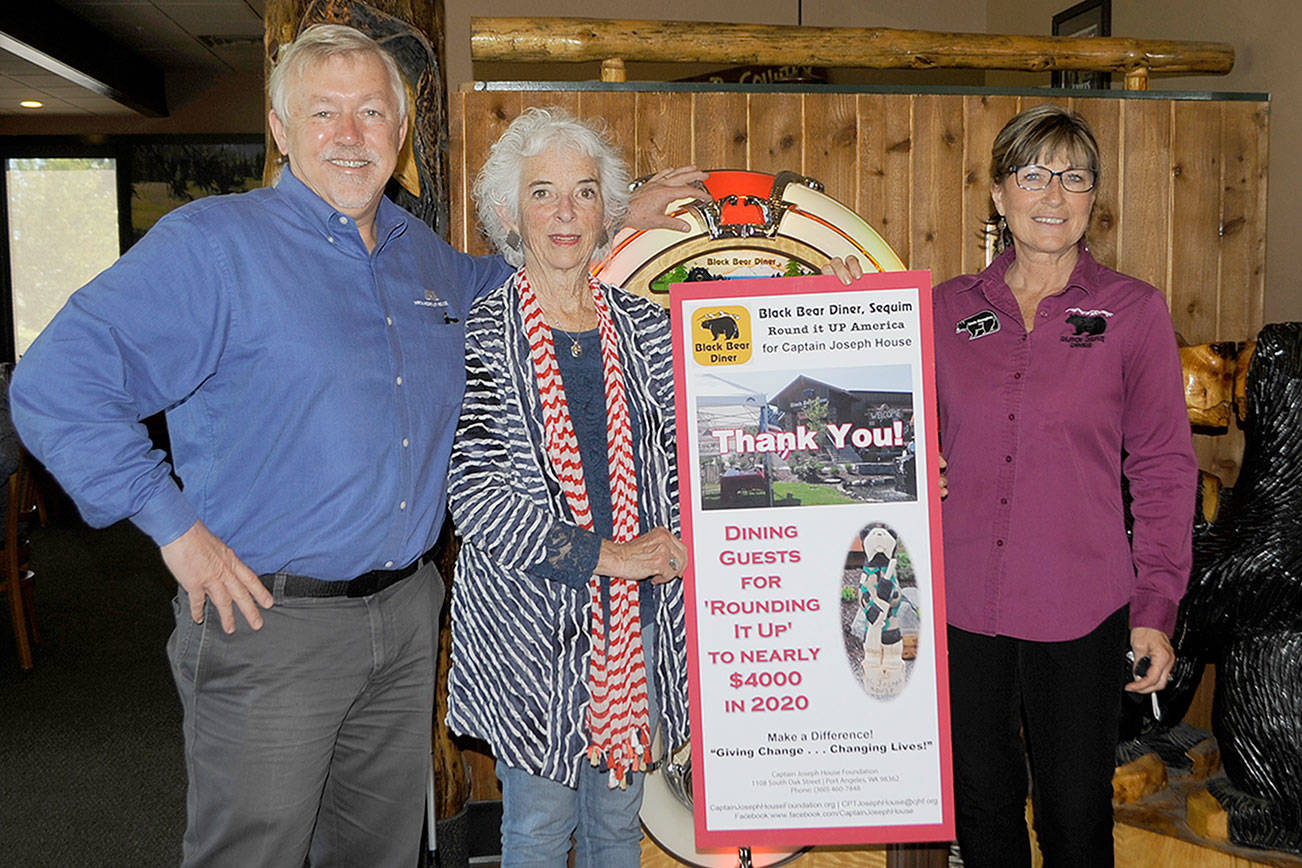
[{"x": 760, "y": 287}]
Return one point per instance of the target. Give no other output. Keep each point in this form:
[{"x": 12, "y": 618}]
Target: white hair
[
  {"x": 317, "y": 44},
  {"x": 530, "y": 134}
]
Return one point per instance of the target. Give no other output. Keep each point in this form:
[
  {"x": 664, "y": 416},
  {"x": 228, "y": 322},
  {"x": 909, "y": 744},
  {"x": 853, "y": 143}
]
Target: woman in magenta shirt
[{"x": 1056, "y": 376}]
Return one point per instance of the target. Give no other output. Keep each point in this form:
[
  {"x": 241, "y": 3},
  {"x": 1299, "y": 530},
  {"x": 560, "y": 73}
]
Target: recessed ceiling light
[{"x": 32, "y": 103}]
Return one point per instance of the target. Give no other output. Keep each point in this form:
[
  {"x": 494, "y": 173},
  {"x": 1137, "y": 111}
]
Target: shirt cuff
[
  {"x": 166, "y": 516},
  {"x": 571, "y": 556},
  {"x": 1152, "y": 611}
]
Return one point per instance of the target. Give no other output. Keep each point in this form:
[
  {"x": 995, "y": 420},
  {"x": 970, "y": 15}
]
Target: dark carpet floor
[{"x": 91, "y": 768}]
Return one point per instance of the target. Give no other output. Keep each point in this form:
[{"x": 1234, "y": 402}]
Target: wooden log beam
[{"x": 576, "y": 40}]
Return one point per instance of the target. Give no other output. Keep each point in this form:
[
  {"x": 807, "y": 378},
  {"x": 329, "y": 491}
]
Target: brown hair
[{"x": 1041, "y": 130}]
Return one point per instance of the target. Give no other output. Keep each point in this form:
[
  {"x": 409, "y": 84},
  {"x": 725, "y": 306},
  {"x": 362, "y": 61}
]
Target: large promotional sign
[{"x": 808, "y": 479}]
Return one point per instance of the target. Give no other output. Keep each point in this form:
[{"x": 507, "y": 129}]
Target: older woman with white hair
[{"x": 567, "y": 617}]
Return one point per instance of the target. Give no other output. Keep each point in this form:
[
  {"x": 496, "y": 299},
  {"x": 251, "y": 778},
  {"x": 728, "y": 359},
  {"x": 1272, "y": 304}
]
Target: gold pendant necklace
[{"x": 576, "y": 348}]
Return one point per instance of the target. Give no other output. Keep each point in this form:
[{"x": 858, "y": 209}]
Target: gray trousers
[{"x": 311, "y": 736}]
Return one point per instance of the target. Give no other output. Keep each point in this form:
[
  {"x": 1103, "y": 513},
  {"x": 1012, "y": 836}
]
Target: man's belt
[{"x": 362, "y": 586}]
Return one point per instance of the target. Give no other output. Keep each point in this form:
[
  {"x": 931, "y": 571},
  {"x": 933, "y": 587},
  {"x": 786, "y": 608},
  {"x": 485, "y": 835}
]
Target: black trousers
[{"x": 1068, "y": 697}]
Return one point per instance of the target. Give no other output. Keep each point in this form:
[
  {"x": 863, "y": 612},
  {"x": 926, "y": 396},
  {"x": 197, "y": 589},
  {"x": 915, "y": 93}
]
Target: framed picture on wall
[
  {"x": 1085, "y": 19},
  {"x": 167, "y": 172}
]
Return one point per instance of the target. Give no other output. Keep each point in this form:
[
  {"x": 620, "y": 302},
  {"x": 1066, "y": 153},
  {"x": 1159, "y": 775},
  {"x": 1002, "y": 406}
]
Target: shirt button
[
  {"x": 1017, "y": 376},
  {"x": 388, "y": 564},
  {"x": 343, "y": 221},
  {"x": 399, "y": 381},
  {"x": 1008, "y": 458},
  {"x": 389, "y": 320},
  {"x": 402, "y": 505},
  {"x": 404, "y": 443},
  {"x": 1043, "y": 314},
  {"x": 1003, "y": 501},
  {"x": 999, "y": 542},
  {"x": 330, "y": 238},
  {"x": 1012, "y": 416}
]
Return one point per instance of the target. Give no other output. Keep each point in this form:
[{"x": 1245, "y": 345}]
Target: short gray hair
[
  {"x": 530, "y": 134},
  {"x": 319, "y": 43}
]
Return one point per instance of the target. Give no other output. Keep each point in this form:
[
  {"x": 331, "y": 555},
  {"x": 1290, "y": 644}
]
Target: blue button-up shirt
[{"x": 311, "y": 387}]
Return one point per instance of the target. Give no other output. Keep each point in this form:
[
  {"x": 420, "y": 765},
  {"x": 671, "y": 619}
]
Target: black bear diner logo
[
  {"x": 1087, "y": 326},
  {"x": 721, "y": 335}
]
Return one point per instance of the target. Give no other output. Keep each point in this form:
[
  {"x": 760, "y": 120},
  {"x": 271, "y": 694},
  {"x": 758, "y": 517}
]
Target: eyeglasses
[{"x": 1035, "y": 177}]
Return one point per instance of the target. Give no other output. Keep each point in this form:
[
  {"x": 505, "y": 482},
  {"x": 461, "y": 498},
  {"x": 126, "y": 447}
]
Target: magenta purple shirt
[{"x": 1038, "y": 429}]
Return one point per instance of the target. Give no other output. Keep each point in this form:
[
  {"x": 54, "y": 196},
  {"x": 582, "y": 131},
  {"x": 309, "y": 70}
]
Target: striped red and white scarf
[{"x": 617, "y": 717}]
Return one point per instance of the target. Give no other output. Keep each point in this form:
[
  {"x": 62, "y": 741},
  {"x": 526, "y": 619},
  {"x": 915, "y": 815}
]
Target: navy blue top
[
  {"x": 312, "y": 387},
  {"x": 585, "y": 393}
]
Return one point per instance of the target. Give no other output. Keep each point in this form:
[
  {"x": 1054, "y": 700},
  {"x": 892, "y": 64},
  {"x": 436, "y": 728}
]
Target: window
[{"x": 63, "y": 230}]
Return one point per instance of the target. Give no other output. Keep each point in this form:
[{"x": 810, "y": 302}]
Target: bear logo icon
[
  {"x": 721, "y": 324},
  {"x": 1087, "y": 325}
]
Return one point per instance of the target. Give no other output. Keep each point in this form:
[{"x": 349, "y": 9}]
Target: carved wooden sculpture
[
  {"x": 1243, "y": 610},
  {"x": 1208, "y": 383}
]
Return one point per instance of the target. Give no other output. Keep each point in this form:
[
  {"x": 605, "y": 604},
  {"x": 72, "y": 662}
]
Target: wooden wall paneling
[
  {"x": 776, "y": 132},
  {"x": 885, "y": 152},
  {"x": 831, "y": 139},
  {"x": 1242, "y": 253},
  {"x": 486, "y": 117},
  {"x": 664, "y": 132},
  {"x": 457, "y": 175},
  {"x": 720, "y": 131},
  {"x": 1029, "y": 101},
  {"x": 1260, "y": 126},
  {"x": 935, "y": 239},
  {"x": 617, "y": 109},
  {"x": 983, "y": 117},
  {"x": 1244, "y": 135},
  {"x": 1104, "y": 117},
  {"x": 1194, "y": 255},
  {"x": 1144, "y": 227},
  {"x": 1196, "y": 210}
]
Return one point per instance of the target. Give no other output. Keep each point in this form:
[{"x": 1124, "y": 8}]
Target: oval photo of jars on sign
[{"x": 879, "y": 611}]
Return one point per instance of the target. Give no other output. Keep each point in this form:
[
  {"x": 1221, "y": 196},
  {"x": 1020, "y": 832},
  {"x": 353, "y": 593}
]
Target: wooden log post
[
  {"x": 1137, "y": 79},
  {"x": 612, "y": 69},
  {"x": 576, "y": 40}
]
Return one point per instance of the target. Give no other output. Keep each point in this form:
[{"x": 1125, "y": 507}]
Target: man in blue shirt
[{"x": 306, "y": 341}]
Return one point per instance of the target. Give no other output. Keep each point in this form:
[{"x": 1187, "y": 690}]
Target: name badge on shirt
[{"x": 978, "y": 325}]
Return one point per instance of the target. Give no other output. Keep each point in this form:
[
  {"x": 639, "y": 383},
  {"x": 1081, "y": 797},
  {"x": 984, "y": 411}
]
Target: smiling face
[
  {"x": 343, "y": 132},
  {"x": 1049, "y": 221},
  {"x": 561, "y": 210}
]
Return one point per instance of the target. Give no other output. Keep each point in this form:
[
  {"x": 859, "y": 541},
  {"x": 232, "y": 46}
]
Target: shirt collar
[
  {"x": 389, "y": 218},
  {"x": 1083, "y": 276}
]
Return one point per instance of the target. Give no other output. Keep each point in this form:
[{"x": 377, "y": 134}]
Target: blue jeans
[{"x": 539, "y": 816}]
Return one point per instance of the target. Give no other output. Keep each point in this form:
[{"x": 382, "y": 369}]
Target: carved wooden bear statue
[{"x": 1243, "y": 610}]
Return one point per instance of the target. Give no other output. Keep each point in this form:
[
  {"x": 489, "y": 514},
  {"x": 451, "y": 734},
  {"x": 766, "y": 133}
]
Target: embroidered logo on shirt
[
  {"x": 1088, "y": 325},
  {"x": 978, "y": 325},
  {"x": 431, "y": 300}
]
